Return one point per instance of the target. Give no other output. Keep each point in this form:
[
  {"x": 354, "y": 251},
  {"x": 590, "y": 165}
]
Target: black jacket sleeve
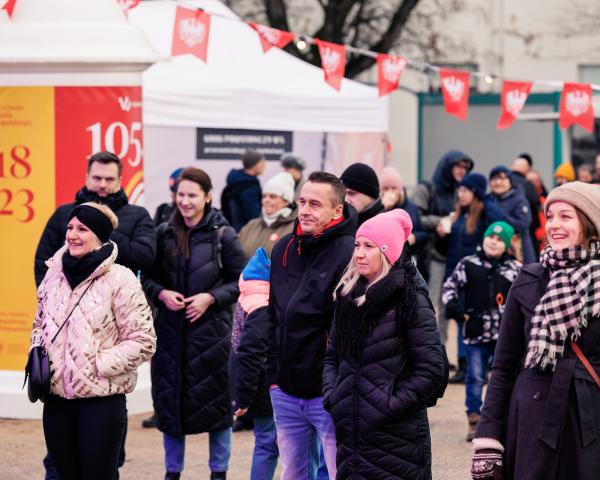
[
  {"x": 234, "y": 261},
  {"x": 251, "y": 356},
  {"x": 151, "y": 282},
  {"x": 330, "y": 369},
  {"x": 53, "y": 238},
  {"x": 138, "y": 250},
  {"x": 427, "y": 360},
  {"x": 271, "y": 365}
]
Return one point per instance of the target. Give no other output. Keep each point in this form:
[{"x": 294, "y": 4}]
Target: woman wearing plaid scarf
[{"x": 541, "y": 416}]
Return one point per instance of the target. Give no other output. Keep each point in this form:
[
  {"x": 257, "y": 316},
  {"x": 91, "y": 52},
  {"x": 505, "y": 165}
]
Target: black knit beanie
[
  {"x": 361, "y": 178},
  {"x": 94, "y": 219}
]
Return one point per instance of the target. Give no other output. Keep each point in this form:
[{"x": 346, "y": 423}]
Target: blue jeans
[
  {"x": 219, "y": 450},
  {"x": 479, "y": 357},
  {"x": 460, "y": 347},
  {"x": 266, "y": 453},
  {"x": 300, "y": 425}
]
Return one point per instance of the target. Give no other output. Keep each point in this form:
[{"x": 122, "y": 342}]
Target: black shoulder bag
[{"x": 37, "y": 370}]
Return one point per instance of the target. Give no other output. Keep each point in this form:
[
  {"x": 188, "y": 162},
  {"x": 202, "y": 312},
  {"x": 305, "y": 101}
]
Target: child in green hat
[{"x": 476, "y": 292}]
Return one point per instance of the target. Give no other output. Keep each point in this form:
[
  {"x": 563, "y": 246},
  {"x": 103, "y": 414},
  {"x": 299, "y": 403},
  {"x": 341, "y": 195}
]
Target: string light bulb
[
  {"x": 489, "y": 79},
  {"x": 302, "y": 45}
]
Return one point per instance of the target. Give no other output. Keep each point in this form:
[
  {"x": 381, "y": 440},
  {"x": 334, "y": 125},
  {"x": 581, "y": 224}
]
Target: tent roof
[
  {"x": 242, "y": 87},
  {"x": 71, "y": 32}
]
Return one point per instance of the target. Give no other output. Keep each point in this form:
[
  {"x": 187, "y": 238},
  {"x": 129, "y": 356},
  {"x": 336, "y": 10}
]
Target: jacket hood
[
  {"x": 114, "y": 200},
  {"x": 239, "y": 176},
  {"x": 55, "y": 262},
  {"x": 442, "y": 177}
]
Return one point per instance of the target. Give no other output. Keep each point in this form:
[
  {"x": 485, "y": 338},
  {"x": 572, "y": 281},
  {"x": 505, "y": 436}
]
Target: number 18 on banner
[{"x": 16, "y": 202}]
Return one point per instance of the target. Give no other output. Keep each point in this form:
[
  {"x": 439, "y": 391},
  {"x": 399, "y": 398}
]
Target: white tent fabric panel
[{"x": 242, "y": 87}]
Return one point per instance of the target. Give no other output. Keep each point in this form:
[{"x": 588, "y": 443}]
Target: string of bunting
[{"x": 191, "y": 33}]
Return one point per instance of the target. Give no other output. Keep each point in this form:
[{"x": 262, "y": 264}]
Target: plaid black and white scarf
[{"x": 571, "y": 299}]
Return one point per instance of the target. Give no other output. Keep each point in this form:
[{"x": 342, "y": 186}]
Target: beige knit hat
[{"x": 583, "y": 196}]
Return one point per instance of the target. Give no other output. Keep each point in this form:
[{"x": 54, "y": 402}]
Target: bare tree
[{"x": 369, "y": 24}]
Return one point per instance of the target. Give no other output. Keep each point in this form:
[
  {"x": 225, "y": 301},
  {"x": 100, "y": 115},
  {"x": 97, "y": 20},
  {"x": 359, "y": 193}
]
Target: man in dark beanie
[
  {"x": 242, "y": 197},
  {"x": 135, "y": 236},
  {"x": 362, "y": 191}
]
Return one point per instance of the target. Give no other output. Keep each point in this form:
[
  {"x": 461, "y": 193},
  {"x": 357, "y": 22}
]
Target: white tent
[{"x": 242, "y": 87}]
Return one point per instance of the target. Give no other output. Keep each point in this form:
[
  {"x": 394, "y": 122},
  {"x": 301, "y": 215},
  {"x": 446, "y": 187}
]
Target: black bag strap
[
  {"x": 218, "y": 246},
  {"x": 72, "y": 310}
]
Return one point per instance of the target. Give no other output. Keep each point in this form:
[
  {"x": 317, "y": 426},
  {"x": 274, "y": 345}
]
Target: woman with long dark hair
[
  {"x": 466, "y": 234},
  {"x": 541, "y": 414},
  {"x": 194, "y": 284},
  {"x": 384, "y": 359}
]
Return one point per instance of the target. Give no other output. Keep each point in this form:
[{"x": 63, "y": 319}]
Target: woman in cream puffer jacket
[{"x": 108, "y": 333}]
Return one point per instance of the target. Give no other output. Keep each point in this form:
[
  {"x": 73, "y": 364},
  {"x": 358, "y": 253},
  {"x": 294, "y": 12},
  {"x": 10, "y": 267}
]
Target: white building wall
[{"x": 514, "y": 39}]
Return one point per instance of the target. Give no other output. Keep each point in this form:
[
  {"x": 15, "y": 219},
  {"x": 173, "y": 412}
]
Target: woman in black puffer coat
[
  {"x": 384, "y": 360},
  {"x": 194, "y": 284}
]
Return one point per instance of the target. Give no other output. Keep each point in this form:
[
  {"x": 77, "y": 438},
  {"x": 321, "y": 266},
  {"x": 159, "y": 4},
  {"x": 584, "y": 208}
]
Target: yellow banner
[{"x": 26, "y": 201}]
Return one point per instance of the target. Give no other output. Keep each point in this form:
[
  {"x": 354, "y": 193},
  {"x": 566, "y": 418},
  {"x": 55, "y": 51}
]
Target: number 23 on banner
[{"x": 18, "y": 202}]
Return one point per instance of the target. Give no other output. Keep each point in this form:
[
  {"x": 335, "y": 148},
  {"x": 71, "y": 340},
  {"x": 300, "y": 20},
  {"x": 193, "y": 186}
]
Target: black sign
[{"x": 229, "y": 143}]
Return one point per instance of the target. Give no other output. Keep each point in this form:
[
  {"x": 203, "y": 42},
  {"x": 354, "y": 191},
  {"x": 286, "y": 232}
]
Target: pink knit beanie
[
  {"x": 388, "y": 231},
  {"x": 390, "y": 177}
]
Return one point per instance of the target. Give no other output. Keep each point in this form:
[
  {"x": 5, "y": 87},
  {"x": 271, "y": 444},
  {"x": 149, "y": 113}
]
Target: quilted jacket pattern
[
  {"x": 378, "y": 400},
  {"x": 190, "y": 382},
  {"x": 108, "y": 335}
]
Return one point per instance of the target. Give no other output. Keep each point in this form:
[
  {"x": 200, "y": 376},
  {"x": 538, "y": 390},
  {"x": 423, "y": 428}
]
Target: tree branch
[
  {"x": 277, "y": 14},
  {"x": 361, "y": 63}
]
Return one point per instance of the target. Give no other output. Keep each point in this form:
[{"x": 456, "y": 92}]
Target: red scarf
[
  {"x": 299, "y": 233},
  {"x": 332, "y": 223}
]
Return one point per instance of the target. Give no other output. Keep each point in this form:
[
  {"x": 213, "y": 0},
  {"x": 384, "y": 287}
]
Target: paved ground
[{"x": 22, "y": 447}]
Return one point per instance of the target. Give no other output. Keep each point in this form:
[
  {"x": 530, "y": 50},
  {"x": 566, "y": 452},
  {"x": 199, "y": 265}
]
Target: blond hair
[
  {"x": 351, "y": 276},
  {"x": 106, "y": 211}
]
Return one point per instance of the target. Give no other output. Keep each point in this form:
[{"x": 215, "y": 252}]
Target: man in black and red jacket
[{"x": 306, "y": 266}]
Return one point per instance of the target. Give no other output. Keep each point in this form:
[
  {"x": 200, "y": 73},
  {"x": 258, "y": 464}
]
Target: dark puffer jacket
[
  {"x": 135, "y": 236},
  {"x": 247, "y": 380},
  {"x": 189, "y": 368},
  {"x": 244, "y": 197},
  {"x": 378, "y": 397}
]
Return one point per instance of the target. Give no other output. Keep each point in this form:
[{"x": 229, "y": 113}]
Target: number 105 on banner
[
  {"x": 123, "y": 141},
  {"x": 16, "y": 202},
  {"x": 91, "y": 120}
]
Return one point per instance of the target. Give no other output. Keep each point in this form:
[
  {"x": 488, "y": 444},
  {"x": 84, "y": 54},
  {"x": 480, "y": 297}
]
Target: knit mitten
[{"x": 487, "y": 465}]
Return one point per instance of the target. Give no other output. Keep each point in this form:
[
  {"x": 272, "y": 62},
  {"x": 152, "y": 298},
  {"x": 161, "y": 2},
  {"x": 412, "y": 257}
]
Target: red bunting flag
[
  {"x": 576, "y": 106},
  {"x": 191, "y": 32},
  {"x": 272, "y": 37},
  {"x": 333, "y": 61},
  {"x": 514, "y": 96},
  {"x": 389, "y": 69},
  {"x": 8, "y": 5},
  {"x": 455, "y": 91},
  {"x": 127, "y": 5}
]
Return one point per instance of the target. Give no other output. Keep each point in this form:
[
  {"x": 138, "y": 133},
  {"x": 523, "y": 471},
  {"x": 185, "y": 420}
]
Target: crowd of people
[{"x": 318, "y": 307}]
